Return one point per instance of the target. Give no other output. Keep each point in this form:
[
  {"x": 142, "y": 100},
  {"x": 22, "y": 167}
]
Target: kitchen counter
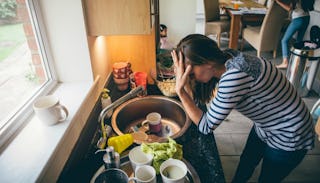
[
  {"x": 198, "y": 149},
  {"x": 201, "y": 151}
]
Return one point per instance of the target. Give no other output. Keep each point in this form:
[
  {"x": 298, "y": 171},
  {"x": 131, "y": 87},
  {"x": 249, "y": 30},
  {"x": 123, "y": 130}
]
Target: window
[{"x": 25, "y": 69}]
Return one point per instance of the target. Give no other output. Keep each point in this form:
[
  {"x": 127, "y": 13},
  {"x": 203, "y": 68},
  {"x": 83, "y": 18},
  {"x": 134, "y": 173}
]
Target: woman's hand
[
  {"x": 180, "y": 72},
  {"x": 182, "y": 76}
]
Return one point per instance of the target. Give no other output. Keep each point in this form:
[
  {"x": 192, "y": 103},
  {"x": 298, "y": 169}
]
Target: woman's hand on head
[{"x": 180, "y": 72}]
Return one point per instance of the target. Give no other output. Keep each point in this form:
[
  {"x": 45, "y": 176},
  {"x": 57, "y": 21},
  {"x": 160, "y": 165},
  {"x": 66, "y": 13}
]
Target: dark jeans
[{"x": 276, "y": 165}]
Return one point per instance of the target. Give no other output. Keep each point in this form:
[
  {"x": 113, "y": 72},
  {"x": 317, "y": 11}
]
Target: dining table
[{"x": 247, "y": 12}]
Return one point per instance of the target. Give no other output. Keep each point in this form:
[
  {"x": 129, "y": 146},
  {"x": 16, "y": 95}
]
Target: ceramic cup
[
  {"x": 144, "y": 174},
  {"x": 153, "y": 120},
  {"x": 112, "y": 175},
  {"x": 173, "y": 171},
  {"x": 49, "y": 110},
  {"x": 120, "y": 70},
  {"x": 138, "y": 158}
]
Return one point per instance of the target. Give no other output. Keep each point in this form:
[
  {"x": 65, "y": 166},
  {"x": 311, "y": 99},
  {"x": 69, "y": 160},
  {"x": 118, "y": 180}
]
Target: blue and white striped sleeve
[{"x": 233, "y": 85}]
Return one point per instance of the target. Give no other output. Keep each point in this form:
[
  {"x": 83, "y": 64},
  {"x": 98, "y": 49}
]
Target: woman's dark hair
[{"x": 198, "y": 49}]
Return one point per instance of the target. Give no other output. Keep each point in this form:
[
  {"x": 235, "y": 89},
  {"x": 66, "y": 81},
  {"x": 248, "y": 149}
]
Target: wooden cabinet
[{"x": 118, "y": 17}]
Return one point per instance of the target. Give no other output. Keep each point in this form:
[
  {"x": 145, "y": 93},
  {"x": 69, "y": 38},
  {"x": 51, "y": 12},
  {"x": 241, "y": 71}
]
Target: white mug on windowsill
[{"x": 49, "y": 110}]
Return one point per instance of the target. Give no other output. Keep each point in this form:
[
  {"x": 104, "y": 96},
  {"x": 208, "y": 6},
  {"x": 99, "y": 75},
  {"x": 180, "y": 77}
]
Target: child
[
  {"x": 164, "y": 42},
  {"x": 299, "y": 23}
]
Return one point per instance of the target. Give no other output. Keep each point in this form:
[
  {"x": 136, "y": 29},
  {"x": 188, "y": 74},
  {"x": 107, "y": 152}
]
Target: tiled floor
[{"x": 231, "y": 136}]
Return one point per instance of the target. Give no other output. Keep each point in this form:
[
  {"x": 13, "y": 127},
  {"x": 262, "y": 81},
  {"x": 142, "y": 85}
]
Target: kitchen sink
[{"x": 129, "y": 116}]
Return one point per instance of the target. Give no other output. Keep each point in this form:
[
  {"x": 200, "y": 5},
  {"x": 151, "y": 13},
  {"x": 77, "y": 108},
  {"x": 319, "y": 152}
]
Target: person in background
[
  {"x": 300, "y": 19},
  {"x": 164, "y": 42},
  {"x": 282, "y": 131}
]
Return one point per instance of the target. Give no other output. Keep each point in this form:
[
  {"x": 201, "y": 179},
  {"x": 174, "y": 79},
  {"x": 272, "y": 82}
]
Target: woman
[
  {"x": 300, "y": 19},
  {"x": 282, "y": 131}
]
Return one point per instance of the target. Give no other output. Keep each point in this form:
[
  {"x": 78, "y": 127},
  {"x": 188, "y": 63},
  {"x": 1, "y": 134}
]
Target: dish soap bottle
[
  {"x": 105, "y": 101},
  {"x": 111, "y": 159}
]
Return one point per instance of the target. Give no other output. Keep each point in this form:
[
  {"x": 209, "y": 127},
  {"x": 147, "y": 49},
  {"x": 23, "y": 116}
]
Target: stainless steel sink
[{"x": 132, "y": 113}]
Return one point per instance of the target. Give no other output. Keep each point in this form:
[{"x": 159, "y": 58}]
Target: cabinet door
[{"x": 117, "y": 17}]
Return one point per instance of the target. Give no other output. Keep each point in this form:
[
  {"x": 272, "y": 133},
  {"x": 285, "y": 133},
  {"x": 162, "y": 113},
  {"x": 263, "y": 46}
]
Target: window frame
[{"x": 15, "y": 123}]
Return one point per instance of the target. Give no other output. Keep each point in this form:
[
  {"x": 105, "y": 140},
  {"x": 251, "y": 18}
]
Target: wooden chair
[
  {"x": 214, "y": 23},
  {"x": 266, "y": 36}
]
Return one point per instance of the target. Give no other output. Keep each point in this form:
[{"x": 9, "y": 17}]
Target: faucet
[{"x": 103, "y": 113}]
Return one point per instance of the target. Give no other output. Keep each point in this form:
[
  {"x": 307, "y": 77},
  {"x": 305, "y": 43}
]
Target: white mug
[
  {"x": 49, "y": 110},
  {"x": 138, "y": 158},
  {"x": 173, "y": 171},
  {"x": 144, "y": 174}
]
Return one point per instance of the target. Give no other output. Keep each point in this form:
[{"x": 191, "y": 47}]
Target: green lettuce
[{"x": 162, "y": 151}]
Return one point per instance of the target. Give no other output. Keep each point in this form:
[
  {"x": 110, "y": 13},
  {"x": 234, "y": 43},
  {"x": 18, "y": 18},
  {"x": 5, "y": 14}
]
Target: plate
[
  {"x": 192, "y": 176},
  {"x": 141, "y": 134}
]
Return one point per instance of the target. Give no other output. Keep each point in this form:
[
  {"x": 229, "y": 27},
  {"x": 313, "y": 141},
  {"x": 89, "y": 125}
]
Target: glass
[
  {"x": 141, "y": 80},
  {"x": 236, "y": 5}
]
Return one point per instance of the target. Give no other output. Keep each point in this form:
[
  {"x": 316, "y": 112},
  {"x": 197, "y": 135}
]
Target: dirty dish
[
  {"x": 173, "y": 171},
  {"x": 191, "y": 177},
  {"x": 138, "y": 158}
]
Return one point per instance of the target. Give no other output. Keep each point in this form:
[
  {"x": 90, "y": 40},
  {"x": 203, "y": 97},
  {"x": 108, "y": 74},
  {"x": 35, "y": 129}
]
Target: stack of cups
[{"x": 121, "y": 72}]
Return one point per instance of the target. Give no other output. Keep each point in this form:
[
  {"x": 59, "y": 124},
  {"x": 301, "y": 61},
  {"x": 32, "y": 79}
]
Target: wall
[
  {"x": 179, "y": 16},
  {"x": 66, "y": 33},
  {"x": 67, "y": 36}
]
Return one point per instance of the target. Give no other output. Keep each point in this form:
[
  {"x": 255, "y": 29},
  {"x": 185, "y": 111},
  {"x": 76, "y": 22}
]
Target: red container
[{"x": 141, "y": 80}]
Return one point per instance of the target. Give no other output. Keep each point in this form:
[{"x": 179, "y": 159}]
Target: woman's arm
[
  {"x": 191, "y": 108},
  {"x": 232, "y": 87},
  {"x": 285, "y": 6}
]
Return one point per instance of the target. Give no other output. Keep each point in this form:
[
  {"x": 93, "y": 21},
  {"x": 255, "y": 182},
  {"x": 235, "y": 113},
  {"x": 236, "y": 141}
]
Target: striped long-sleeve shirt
[{"x": 255, "y": 88}]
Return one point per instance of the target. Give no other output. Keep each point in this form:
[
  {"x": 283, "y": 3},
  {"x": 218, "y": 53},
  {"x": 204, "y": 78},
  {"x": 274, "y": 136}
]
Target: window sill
[{"x": 27, "y": 158}]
